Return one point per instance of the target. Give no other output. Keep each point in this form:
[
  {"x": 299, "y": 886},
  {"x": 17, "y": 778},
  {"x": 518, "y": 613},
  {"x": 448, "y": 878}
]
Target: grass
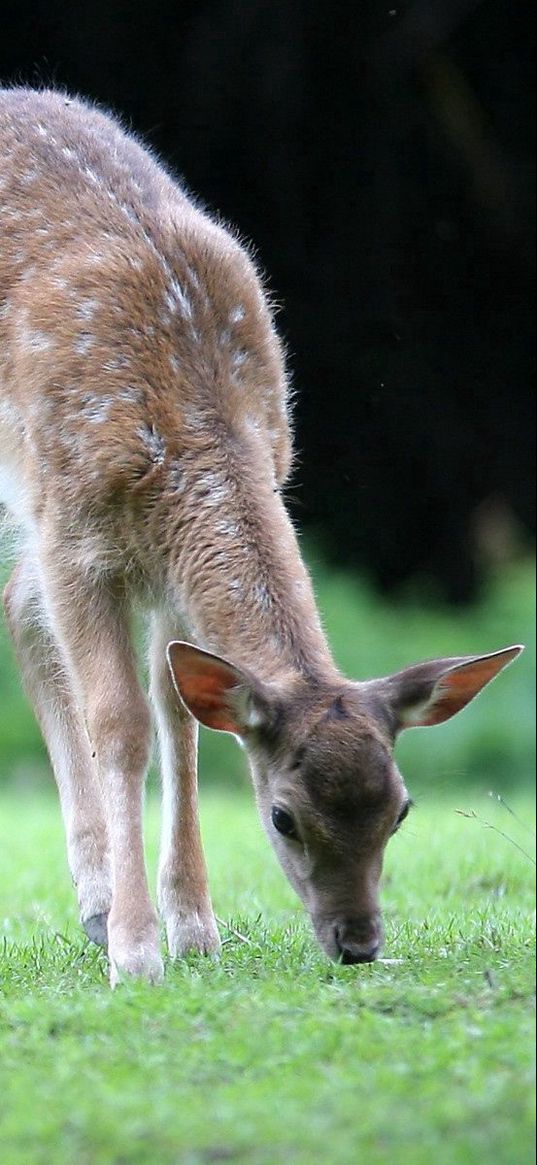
[{"x": 272, "y": 1054}]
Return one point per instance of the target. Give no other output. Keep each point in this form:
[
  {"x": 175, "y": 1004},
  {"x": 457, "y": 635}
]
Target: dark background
[{"x": 380, "y": 155}]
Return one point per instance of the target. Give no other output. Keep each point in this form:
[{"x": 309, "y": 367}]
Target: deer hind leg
[
  {"x": 90, "y": 621},
  {"x": 183, "y": 893},
  {"x": 58, "y": 714}
]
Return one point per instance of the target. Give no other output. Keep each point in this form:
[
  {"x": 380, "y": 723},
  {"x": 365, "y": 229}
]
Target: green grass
[{"x": 272, "y": 1054}]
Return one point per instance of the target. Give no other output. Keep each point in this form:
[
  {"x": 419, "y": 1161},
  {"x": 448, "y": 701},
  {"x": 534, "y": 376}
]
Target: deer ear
[
  {"x": 218, "y": 694},
  {"x": 430, "y": 693}
]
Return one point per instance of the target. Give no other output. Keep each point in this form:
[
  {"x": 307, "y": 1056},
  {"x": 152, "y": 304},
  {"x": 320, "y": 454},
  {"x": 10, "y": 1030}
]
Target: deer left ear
[
  {"x": 430, "y": 693},
  {"x": 218, "y": 694}
]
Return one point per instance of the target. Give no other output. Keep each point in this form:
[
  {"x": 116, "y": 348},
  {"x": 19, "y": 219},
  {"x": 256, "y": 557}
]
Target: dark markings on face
[
  {"x": 270, "y": 733},
  {"x": 297, "y": 759},
  {"x": 337, "y": 710}
]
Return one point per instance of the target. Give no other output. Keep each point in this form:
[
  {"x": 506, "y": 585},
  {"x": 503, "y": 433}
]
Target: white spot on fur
[
  {"x": 28, "y": 274},
  {"x": 196, "y": 282},
  {"x": 59, "y": 283},
  {"x": 177, "y": 478},
  {"x": 237, "y": 315},
  {"x": 96, "y": 408},
  {"x": 14, "y": 493},
  {"x": 86, "y": 309},
  {"x": 31, "y": 339},
  {"x": 9, "y": 414},
  {"x": 131, "y": 395},
  {"x": 83, "y": 344},
  {"x": 129, "y": 213},
  {"x": 215, "y": 489},
  {"x": 116, "y": 362},
  {"x": 227, "y": 527},
  {"x": 176, "y": 299},
  {"x": 154, "y": 443},
  {"x": 94, "y": 257},
  {"x": 193, "y": 419},
  {"x": 262, "y": 596}
]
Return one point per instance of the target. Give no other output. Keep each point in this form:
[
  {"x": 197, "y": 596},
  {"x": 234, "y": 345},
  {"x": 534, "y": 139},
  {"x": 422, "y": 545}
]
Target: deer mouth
[{"x": 350, "y": 941}]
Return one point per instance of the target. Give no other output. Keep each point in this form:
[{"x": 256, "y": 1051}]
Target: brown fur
[{"x": 144, "y": 441}]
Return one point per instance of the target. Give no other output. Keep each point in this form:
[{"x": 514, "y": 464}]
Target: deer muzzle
[{"x": 350, "y": 940}]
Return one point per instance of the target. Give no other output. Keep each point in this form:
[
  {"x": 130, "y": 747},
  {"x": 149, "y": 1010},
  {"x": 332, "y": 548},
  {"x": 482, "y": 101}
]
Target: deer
[{"x": 145, "y": 441}]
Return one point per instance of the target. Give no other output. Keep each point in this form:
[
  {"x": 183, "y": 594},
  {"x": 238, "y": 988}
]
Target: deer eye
[
  {"x": 403, "y": 814},
  {"x": 283, "y": 822}
]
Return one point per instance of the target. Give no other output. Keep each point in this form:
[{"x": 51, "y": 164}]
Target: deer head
[{"x": 329, "y": 792}]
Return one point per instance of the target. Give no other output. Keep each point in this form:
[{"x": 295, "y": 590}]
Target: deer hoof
[
  {"x": 139, "y": 963},
  {"x": 192, "y": 934},
  {"x": 97, "y": 929}
]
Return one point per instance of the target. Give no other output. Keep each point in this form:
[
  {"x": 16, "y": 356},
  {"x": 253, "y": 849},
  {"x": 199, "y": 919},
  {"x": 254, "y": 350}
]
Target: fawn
[{"x": 144, "y": 443}]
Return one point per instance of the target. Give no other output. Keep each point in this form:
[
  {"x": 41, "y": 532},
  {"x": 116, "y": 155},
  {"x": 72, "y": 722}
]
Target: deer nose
[
  {"x": 356, "y": 954},
  {"x": 357, "y": 944}
]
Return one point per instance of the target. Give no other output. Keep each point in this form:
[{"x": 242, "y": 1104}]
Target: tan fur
[{"x": 144, "y": 441}]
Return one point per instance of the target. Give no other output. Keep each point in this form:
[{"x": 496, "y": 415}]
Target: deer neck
[{"x": 238, "y": 580}]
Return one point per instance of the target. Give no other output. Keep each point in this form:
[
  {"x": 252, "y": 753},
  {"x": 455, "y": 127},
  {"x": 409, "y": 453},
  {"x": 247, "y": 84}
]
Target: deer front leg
[
  {"x": 183, "y": 893},
  {"x": 49, "y": 690},
  {"x": 90, "y": 622}
]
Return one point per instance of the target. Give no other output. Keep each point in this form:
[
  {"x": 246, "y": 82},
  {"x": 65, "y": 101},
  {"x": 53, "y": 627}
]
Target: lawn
[{"x": 272, "y": 1054}]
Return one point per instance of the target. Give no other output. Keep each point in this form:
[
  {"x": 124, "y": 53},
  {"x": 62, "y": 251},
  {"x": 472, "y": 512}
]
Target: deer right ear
[
  {"x": 430, "y": 693},
  {"x": 218, "y": 694}
]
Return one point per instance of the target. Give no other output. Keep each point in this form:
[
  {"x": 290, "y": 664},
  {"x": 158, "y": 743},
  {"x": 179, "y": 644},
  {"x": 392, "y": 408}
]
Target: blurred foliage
[{"x": 490, "y": 744}]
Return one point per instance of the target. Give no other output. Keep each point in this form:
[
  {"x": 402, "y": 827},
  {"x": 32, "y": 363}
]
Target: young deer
[{"x": 144, "y": 441}]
